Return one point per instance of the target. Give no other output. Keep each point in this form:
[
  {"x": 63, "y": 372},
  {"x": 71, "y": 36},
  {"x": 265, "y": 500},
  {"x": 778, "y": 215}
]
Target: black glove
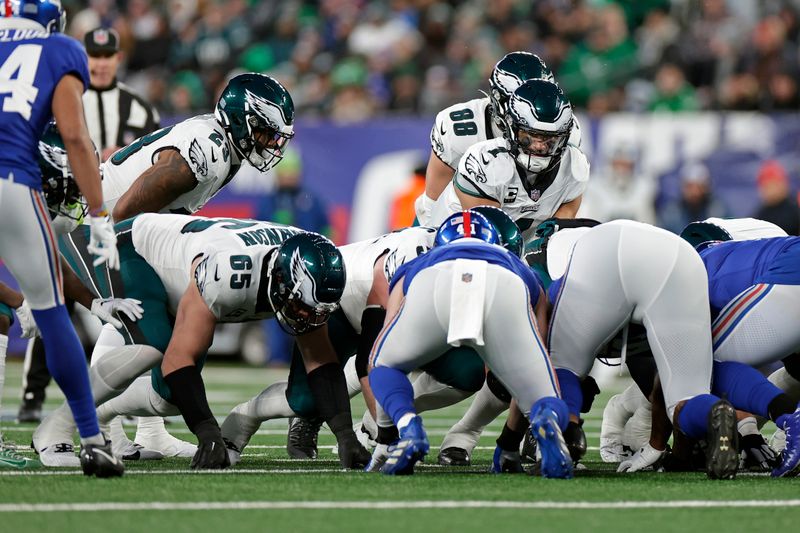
[
  {"x": 211, "y": 451},
  {"x": 352, "y": 454},
  {"x": 756, "y": 455},
  {"x": 575, "y": 439}
]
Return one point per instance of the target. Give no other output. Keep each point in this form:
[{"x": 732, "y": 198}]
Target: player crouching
[{"x": 467, "y": 291}]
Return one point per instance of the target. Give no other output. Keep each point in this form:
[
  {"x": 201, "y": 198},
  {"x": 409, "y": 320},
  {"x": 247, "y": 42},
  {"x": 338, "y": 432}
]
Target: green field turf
[{"x": 269, "y": 492}]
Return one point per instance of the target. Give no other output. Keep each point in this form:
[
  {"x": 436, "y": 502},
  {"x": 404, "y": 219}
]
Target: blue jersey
[
  {"x": 734, "y": 266},
  {"x": 469, "y": 249},
  {"x": 32, "y": 62}
]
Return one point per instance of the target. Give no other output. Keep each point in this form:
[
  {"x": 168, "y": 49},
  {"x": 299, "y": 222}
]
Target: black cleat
[
  {"x": 722, "y": 455},
  {"x": 30, "y": 411},
  {"x": 575, "y": 439},
  {"x": 301, "y": 441},
  {"x": 453, "y": 456},
  {"x": 98, "y": 461},
  {"x": 528, "y": 451}
]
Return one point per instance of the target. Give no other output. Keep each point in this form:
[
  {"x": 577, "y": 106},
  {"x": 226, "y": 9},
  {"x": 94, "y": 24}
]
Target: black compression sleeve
[
  {"x": 329, "y": 389},
  {"x": 189, "y": 396},
  {"x": 371, "y": 324}
]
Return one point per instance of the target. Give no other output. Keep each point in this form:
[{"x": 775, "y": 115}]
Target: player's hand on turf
[
  {"x": 757, "y": 454},
  {"x": 211, "y": 454},
  {"x": 106, "y": 308},
  {"x": 103, "y": 242},
  {"x": 26, "y": 321},
  {"x": 352, "y": 454},
  {"x": 646, "y": 456}
]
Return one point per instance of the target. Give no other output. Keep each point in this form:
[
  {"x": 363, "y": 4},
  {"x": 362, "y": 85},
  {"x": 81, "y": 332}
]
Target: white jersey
[
  {"x": 202, "y": 143},
  {"x": 232, "y": 253},
  {"x": 360, "y": 258},
  {"x": 461, "y": 125},
  {"x": 489, "y": 171}
]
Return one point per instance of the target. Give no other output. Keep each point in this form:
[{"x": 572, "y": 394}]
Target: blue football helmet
[
  {"x": 48, "y": 13},
  {"x": 466, "y": 224}
]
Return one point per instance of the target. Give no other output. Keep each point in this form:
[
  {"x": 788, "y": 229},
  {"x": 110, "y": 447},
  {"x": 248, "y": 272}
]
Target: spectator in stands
[
  {"x": 778, "y": 204},
  {"x": 696, "y": 201},
  {"x": 402, "y": 214},
  {"x": 294, "y": 205},
  {"x": 620, "y": 191},
  {"x": 672, "y": 92}
]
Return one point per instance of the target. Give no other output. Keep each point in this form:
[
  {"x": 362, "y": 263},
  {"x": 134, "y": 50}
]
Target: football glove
[
  {"x": 26, "y": 321},
  {"x": 106, "y": 308},
  {"x": 756, "y": 454},
  {"x": 645, "y": 457},
  {"x": 211, "y": 454},
  {"x": 505, "y": 462},
  {"x": 352, "y": 455},
  {"x": 103, "y": 242}
]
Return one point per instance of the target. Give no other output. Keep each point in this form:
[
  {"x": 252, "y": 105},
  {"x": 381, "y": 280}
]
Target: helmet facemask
[
  {"x": 62, "y": 194},
  {"x": 535, "y": 150},
  {"x": 268, "y": 144}
]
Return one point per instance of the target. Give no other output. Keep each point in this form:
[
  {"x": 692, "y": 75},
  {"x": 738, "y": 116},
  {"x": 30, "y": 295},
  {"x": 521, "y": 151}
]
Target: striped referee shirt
[{"x": 116, "y": 115}]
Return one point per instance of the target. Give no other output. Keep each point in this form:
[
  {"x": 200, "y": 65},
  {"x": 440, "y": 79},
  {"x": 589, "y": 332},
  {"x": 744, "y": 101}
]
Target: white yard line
[{"x": 445, "y": 504}]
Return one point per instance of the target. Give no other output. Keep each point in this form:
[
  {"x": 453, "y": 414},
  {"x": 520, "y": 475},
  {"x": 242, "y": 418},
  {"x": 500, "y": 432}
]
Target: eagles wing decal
[
  {"x": 198, "y": 158},
  {"x": 265, "y": 109},
  {"x": 307, "y": 285},
  {"x": 55, "y": 156},
  {"x": 475, "y": 169}
]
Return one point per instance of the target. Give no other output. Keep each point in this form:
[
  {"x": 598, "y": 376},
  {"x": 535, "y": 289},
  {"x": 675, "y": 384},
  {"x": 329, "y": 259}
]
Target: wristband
[{"x": 99, "y": 212}]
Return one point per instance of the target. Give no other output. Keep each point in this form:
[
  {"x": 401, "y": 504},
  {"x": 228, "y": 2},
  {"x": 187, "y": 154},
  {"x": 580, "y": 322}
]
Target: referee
[{"x": 116, "y": 116}]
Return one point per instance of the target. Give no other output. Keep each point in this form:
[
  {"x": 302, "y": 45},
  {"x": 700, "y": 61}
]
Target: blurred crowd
[{"x": 354, "y": 59}]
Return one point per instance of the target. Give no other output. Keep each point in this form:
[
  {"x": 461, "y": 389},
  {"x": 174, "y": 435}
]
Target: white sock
[
  {"x": 748, "y": 426},
  {"x": 781, "y": 379},
  {"x": 150, "y": 425},
  {"x": 116, "y": 432},
  {"x": 484, "y": 409},
  {"x": 430, "y": 394},
  {"x": 405, "y": 420},
  {"x": 3, "y": 350},
  {"x": 245, "y": 419},
  {"x": 139, "y": 399},
  {"x": 97, "y": 440}
]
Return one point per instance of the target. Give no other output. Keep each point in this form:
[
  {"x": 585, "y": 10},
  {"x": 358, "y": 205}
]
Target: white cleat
[
  {"x": 166, "y": 444},
  {"x": 128, "y": 450},
  {"x": 61, "y": 455}
]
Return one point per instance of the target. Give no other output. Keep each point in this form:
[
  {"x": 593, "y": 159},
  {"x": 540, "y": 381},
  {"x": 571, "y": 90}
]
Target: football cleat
[
  {"x": 722, "y": 455},
  {"x": 11, "y": 459},
  {"x": 556, "y": 460},
  {"x": 755, "y": 454},
  {"x": 404, "y": 454},
  {"x": 575, "y": 438},
  {"x": 528, "y": 450},
  {"x": 130, "y": 451},
  {"x": 61, "y": 455},
  {"x": 378, "y": 459},
  {"x": 97, "y": 460},
  {"x": 30, "y": 410},
  {"x": 234, "y": 453},
  {"x": 301, "y": 441},
  {"x": 165, "y": 444},
  {"x": 790, "y": 458},
  {"x": 453, "y": 456},
  {"x": 505, "y": 462}
]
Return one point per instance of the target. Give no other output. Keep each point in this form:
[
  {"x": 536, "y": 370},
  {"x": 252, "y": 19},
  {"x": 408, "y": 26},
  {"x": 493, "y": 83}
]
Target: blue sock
[
  {"x": 744, "y": 386},
  {"x": 570, "y": 390},
  {"x": 66, "y": 362},
  {"x": 556, "y": 404},
  {"x": 393, "y": 391},
  {"x": 693, "y": 418}
]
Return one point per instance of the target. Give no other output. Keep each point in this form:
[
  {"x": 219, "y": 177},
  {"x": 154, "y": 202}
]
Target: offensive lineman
[
  {"x": 43, "y": 74},
  {"x": 236, "y": 270}
]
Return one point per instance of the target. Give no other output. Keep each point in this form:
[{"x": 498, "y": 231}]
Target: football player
[
  {"x": 461, "y": 125},
  {"x": 532, "y": 173},
  {"x": 178, "y": 169},
  {"x": 236, "y": 270},
  {"x": 43, "y": 75},
  {"x": 451, "y": 297}
]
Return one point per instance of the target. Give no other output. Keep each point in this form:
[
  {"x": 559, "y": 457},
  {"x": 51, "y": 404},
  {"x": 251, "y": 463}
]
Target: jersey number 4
[{"x": 17, "y": 75}]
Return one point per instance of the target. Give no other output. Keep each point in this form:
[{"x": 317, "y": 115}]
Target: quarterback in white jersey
[
  {"x": 178, "y": 169},
  {"x": 459, "y": 126},
  {"x": 529, "y": 175}
]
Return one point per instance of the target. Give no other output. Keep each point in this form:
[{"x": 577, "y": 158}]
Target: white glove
[
  {"x": 104, "y": 309},
  {"x": 26, "y": 321},
  {"x": 645, "y": 457},
  {"x": 612, "y": 451},
  {"x": 423, "y": 206},
  {"x": 103, "y": 242}
]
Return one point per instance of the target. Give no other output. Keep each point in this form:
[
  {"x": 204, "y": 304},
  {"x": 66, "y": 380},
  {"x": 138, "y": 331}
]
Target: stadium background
[{"x": 664, "y": 84}]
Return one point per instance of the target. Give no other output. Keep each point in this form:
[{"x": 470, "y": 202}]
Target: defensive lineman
[{"x": 43, "y": 74}]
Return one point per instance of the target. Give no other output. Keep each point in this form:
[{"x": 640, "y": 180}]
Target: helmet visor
[{"x": 540, "y": 143}]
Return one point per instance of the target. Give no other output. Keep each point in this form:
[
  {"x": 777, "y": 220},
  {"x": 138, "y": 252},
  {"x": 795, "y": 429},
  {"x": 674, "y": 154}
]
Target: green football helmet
[
  {"x": 539, "y": 124},
  {"x": 508, "y": 74},
  {"x": 257, "y": 113},
  {"x": 702, "y": 234},
  {"x": 306, "y": 282},
  {"x": 510, "y": 236},
  {"x": 61, "y": 192}
]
